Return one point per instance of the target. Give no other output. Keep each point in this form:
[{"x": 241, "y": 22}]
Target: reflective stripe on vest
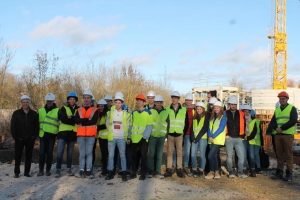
[
  {"x": 176, "y": 123},
  {"x": 256, "y": 139},
  {"x": 139, "y": 124},
  {"x": 102, "y": 133},
  {"x": 198, "y": 126},
  {"x": 213, "y": 126},
  {"x": 125, "y": 118},
  {"x": 48, "y": 121},
  {"x": 159, "y": 123},
  {"x": 283, "y": 117},
  {"x": 68, "y": 127},
  {"x": 87, "y": 131}
]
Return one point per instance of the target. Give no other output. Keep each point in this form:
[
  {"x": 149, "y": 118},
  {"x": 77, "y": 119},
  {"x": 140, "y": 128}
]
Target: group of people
[{"x": 133, "y": 141}]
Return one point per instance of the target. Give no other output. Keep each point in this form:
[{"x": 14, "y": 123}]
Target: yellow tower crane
[{"x": 280, "y": 46}]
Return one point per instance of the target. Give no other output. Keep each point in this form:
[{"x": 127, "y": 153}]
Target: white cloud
[
  {"x": 134, "y": 60},
  {"x": 15, "y": 44},
  {"x": 74, "y": 31}
]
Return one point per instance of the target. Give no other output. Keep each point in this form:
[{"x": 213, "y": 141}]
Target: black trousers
[
  {"x": 104, "y": 152},
  {"x": 143, "y": 147},
  {"x": 19, "y": 146}
]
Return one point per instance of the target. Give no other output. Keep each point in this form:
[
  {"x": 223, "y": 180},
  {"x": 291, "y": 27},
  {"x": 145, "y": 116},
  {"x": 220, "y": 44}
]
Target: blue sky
[{"x": 196, "y": 41}]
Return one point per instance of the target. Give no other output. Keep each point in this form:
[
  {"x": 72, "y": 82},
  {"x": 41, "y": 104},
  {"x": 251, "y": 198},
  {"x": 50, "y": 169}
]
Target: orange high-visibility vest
[{"x": 87, "y": 131}]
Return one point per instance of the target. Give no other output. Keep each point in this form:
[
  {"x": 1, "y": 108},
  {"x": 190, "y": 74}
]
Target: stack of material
[{"x": 265, "y": 117}]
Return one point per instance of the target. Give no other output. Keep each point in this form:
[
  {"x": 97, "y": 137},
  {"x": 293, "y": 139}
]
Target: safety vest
[
  {"x": 256, "y": 140},
  {"x": 283, "y": 117},
  {"x": 68, "y": 127},
  {"x": 198, "y": 126},
  {"x": 48, "y": 121},
  {"x": 126, "y": 115},
  {"x": 140, "y": 120},
  {"x": 87, "y": 131},
  {"x": 159, "y": 123},
  {"x": 102, "y": 133},
  {"x": 213, "y": 127},
  {"x": 177, "y": 123}
]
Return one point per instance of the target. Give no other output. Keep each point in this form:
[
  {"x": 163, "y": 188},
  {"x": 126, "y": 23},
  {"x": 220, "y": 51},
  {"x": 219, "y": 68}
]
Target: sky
[{"x": 197, "y": 42}]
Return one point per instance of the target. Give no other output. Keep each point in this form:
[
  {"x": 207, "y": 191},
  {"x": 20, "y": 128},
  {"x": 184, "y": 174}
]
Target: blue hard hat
[
  {"x": 252, "y": 112},
  {"x": 72, "y": 94}
]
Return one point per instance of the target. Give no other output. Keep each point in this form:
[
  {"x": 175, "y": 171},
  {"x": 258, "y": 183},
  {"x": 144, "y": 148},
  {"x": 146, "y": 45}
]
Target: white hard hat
[
  {"x": 218, "y": 103},
  {"x": 151, "y": 93},
  {"x": 200, "y": 103},
  {"x": 175, "y": 94},
  {"x": 189, "y": 96},
  {"x": 119, "y": 94},
  {"x": 241, "y": 107},
  {"x": 50, "y": 97},
  {"x": 277, "y": 104},
  {"x": 25, "y": 97},
  {"x": 233, "y": 100},
  {"x": 246, "y": 107},
  {"x": 108, "y": 97},
  {"x": 102, "y": 102},
  {"x": 212, "y": 100},
  {"x": 119, "y": 97},
  {"x": 88, "y": 92},
  {"x": 159, "y": 98}
]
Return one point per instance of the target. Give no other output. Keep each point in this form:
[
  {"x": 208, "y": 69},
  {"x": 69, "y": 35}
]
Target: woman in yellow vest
[
  {"x": 253, "y": 136},
  {"x": 216, "y": 138},
  {"x": 66, "y": 133},
  {"x": 49, "y": 123},
  {"x": 199, "y": 138}
]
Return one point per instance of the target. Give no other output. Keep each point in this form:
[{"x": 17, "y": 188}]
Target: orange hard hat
[
  {"x": 141, "y": 96},
  {"x": 283, "y": 94}
]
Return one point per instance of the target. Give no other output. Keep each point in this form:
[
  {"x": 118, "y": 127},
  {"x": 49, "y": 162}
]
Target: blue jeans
[
  {"x": 246, "y": 144},
  {"x": 237, "y": 144},
  {"x": 254, "y": 156},
  {"x": 200, "y": 145},
  {"x": 46, "y": 152},
  {"x": 213, "y": 158},
  {"x": 85, "y": 146},
  {"x": 187, "y": 150},
  {"x": 121, "y": 143},
  {"x": 60, "y": 152}
]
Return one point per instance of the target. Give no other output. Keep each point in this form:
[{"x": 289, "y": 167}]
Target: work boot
[
  {"x": 288, "y": 176},
  {"x": 133, "y": 175},
  {"x": 252, "y": 173},
  {"x": 168, "y": 173},
  {"x": 278, "y": 175},
  {"x": 70, "y": 173},
  {"x": 104, "y": 172},
  {"x": 110, "y": 175},
  {"x": 90, "y": 175},
  {"x": 80, "y": 174},
  {"x": 48, "y": 173},
  {"x": 124, "y": 176},
  {"x": 180, "y": 173},
  {"x": 142, "y": 177},
  {"x": 41, "y": 173},
  {"x": 57, "y": 173}
]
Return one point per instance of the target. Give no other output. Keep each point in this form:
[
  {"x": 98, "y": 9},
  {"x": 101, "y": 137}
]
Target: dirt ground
[{"x": 261, "y": 187}]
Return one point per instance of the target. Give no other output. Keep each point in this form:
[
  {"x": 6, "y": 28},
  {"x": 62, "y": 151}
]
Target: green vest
[
  {"x": 102, "y": 133},
  {"x": 67, "y": 127},
  {"x": 283, "y": 117},
  {"x": 198, "y": 126},
  {"x": 213, "y": 126},
  {"x": 126, "y": 115},
  {"x": 48, "y": 121},
  {"x": 177, "y": 123},
  {"x": 159, "y": 123},
  {"x": 256, "y": 140},
  {"x": 139, "y": 124}
]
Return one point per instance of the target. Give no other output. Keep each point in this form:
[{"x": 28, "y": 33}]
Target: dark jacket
[
  {"x": 203, "y": 130},
  {"x": 24, "y": 125},
  {"x": 62, "y": 116},
  {"x": 234, "y": 124}
]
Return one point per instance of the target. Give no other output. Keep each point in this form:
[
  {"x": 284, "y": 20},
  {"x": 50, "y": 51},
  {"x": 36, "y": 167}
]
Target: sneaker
[
  {"x": 231, "y": 175},
  {"x": 150, "y": 174},
  {"x": 160, "y": 176},
  {"x": 242, "y": 175},
  {"x": 110, "y": 175},
  {"x": 217, "y": 175},
  {"x": 124, "y": 176},
  {"x": 70, "y": 173},
  {"x": 210, "y": 175},
  {"x": 252, "y": 173},
  {"x": 16, "y": 176},
  {"x": 245, "y": 171},
  {"x": 40, "y": 174},
  {"x": 142, "y": 177},
  {"x": 258, "y": 171},
  {"x": 80, "y": 174},
  {"x": 180, "y": 173},
  {"x": 57, "y": 173},
  {"x": 168, "y": 173},
  {"x": 90, "y": 175},
  {"x": 48, "y": 173}
]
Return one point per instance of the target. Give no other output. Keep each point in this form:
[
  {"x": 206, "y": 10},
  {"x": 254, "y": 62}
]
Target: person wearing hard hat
[
  {"x": 254, "y": 140},
  {"x": 199, "y": 129},
  {"x": 24, "y": 127},
  {"x": 213, "y": 94},
  {"x": 86, "y": 119},
  {"x": 108, "y": 100},
  {"x": 177, "y": 118},
  {"x": 49, "y": 124},
  {"x": 118, "y": 123},
  {"x": 150, "y": 98},
  {"x": 234, "y": 136},
  {"x": 157, "y": 138},
  {"x": 66, "y": 133},
  {"x": 283, "y": 123},
  {"x": 102, "y": 135},
  {"x": 216, "y": 138},
  {"x": 187, "y": 140},
  {"x": 142, "y": 122}
]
